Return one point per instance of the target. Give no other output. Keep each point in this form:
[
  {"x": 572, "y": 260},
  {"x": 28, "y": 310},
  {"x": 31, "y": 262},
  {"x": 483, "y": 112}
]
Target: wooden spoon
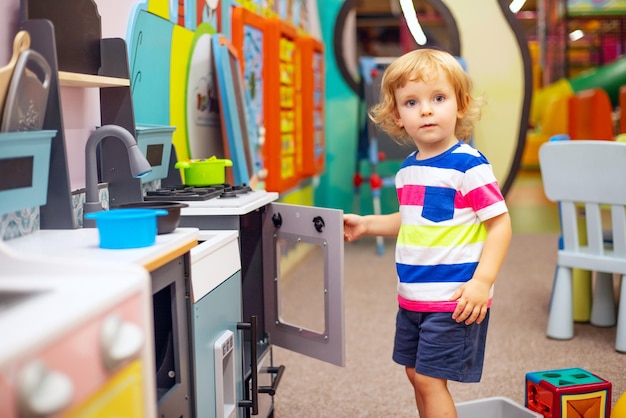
[{"x": 21, "y": 42}]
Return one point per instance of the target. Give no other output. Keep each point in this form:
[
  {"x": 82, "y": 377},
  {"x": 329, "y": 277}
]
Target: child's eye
[
  {"x": 440, "y": 98},
  {"x": 411, "y": 103}
]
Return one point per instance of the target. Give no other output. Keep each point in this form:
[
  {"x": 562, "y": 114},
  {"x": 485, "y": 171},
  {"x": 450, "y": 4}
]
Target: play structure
[
  {"x": 504, "y": 78},
  {"x": 581, "y": 107},
  {"x": 373, "y": 146}
]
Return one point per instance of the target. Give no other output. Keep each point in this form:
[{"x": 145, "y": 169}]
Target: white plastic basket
[{"x": 495, "y": 407}]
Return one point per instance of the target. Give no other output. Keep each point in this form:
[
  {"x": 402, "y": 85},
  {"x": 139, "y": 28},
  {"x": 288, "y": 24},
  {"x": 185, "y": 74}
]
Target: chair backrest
[{"x": 589, "y": 174}]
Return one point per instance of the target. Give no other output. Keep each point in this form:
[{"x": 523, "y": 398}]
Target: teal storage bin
[
  {"x": 24, "y": 169},
  {"x": 155, "y": 142}
]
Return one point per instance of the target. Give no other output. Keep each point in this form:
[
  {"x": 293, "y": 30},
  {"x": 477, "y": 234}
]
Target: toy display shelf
[
  {"x": 67, "y": 79},
  {"x": 115, "y": 108}
]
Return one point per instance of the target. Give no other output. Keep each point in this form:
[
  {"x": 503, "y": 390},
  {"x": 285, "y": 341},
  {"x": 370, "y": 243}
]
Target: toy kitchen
[
  {"x": 282, "y": 284},
  {"x": 290, "y": 289},
  {"x": 240, "y": 274},
  {"x": 277, "y": 280}
]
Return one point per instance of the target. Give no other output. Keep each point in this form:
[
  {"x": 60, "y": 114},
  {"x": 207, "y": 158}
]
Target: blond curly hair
[{"x": 424, "y": 65}]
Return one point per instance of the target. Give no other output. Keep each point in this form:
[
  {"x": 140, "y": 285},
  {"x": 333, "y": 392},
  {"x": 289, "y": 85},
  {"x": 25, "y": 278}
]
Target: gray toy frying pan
[{"x": 27, "y": 96}]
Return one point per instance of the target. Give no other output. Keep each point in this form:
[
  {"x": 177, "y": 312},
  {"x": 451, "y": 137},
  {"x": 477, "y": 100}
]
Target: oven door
[{"x": 303, "y": 280}]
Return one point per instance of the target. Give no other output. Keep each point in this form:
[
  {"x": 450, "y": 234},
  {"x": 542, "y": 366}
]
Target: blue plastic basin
[{"x": 127, "y": 228}]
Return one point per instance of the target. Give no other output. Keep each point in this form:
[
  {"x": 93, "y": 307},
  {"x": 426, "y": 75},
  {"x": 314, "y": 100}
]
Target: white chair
[{"x": 586, "y": 177}]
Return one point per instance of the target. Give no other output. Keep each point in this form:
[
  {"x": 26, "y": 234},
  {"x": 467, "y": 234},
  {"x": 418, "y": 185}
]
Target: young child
[{"x": 453, "y": 228}]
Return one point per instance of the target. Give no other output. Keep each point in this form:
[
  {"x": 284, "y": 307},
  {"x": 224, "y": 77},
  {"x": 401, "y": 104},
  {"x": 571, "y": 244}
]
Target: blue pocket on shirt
[{"x": 438, "y": 203}]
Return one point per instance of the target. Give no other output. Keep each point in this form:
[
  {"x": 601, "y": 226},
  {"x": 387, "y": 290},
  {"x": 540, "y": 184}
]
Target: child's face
[{"x": 428, "y": 112}]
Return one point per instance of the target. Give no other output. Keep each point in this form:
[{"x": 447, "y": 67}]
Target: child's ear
[
  {"x": 397, "y": 120},
  {"x": 463, "y": 107}
]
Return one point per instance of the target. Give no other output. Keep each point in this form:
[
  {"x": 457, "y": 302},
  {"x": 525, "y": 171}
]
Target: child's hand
[
  {"x": 473, "y": 299},
  {"x": 353, "y": 227}
]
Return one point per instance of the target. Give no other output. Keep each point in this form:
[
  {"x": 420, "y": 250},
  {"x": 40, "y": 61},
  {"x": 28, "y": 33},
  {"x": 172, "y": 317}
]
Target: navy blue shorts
[{"x": 437, "y": 346}]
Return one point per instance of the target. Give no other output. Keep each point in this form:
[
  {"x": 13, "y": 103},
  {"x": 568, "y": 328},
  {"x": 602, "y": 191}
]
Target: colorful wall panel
[
  {"x": 281, "y": 146},
  {"x": 201, "y": 110},
  {"x": 280, "y": 97},
  {"x": 311, "y": 105},
  {"x": 271, "y": 62},
  {"x": 172, "y": 76},
  {"x": 248, "y": 40},
  {"x": 232, "y": 111},
  {"x": 150, "y": 57}
]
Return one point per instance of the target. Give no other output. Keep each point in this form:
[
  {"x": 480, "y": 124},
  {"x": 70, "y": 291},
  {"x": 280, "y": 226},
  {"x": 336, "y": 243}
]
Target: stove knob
[
  {"x": 120, "y": 341},
  {"x": 41, "y": 391}
]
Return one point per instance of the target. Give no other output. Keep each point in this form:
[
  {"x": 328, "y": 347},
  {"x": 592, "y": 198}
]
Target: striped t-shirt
[{"x": 443, "y": 202}]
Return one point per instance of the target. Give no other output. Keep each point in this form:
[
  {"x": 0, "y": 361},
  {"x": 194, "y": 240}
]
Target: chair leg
[
  {"x": 560, "y": 318},
  {"x": 603, "y": 306},
  {"x": 620, "y": 339},
  {"x": 581, "y": 294}
]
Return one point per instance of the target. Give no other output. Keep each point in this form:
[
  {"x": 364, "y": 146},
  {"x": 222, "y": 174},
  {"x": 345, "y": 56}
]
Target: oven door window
[
  {"x": 300, "y": 285},
  {"x": 303, "y": 280}
]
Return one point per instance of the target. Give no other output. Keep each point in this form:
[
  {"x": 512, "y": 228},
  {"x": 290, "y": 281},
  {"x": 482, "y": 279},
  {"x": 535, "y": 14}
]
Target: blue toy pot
[{"x": 127, "y": 228}]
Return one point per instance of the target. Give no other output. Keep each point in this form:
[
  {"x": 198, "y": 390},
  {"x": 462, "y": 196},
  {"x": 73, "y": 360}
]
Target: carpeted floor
[{"x": 371, "y": 385}]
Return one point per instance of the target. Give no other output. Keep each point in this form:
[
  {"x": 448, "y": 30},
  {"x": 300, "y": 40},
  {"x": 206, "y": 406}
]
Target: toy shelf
[
  {"x": 67, "y": 79},
  {"x": 115, "y": 108}
]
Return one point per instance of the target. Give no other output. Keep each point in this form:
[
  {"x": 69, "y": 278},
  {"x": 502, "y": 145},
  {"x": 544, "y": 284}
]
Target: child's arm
[
  {"x": 355, "y": 226},
  {"x": 473, "y": 296}
]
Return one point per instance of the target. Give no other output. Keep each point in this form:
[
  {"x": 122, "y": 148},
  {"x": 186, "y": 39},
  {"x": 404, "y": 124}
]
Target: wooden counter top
[{"x": 84, "y": 244}]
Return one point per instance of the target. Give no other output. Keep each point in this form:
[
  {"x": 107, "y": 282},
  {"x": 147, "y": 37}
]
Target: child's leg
[{"x": 431, "y": 395}]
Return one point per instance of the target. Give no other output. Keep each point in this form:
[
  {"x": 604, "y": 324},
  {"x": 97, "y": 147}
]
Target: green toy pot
[{"x": 207, "y": 172}]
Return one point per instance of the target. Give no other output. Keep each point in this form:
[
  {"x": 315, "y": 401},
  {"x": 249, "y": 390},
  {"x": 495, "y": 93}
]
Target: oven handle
[
  {"x": 278, "y": 371},
  {"x": 254, "y": 402}
]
